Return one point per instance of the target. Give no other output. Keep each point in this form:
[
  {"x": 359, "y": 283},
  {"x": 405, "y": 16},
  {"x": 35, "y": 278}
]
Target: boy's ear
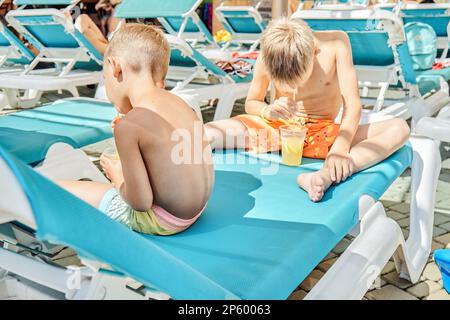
[{"x": 116, "y": 68}]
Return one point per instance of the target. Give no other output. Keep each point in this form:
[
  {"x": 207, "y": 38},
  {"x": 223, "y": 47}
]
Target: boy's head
[
  {"x": 287, "y": 48},
  {"x": 136, "y": 52}
]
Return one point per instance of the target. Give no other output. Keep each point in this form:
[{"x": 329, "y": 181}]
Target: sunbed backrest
[
  {"x": 55, "y": 36},
  {"x": 12, "y": 48},
  {"x": 376, "y": 36},
  {"x": 241, "y": 19},
  {"x": 437, "y": 18},
  {"x": 183, "y": 55},
  {"x": 178, "y": 17}
]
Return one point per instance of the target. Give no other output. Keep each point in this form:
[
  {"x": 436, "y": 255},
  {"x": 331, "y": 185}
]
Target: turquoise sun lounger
[
  {"x": 190, "y": 71},
  {"x": 179, "y": 18},
  {"x": 261, "y": 245},
  {"x": 52, "y": 32},
  {"x": 13, "y": 52},
  {"x": 245, "y": 23},
  {"x": 382, "y": 60},
  {"x": 29, "y": 134},
  {"x": 437, "y": 15}
]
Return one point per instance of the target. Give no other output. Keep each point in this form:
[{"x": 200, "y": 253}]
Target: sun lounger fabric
[
  {"x": 259, "y": 237},
  {"x": 28, "y": 134}
]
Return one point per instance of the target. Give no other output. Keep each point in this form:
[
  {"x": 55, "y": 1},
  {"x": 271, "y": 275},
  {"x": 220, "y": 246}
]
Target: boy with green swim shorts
[{"x": 152, "y": 190}]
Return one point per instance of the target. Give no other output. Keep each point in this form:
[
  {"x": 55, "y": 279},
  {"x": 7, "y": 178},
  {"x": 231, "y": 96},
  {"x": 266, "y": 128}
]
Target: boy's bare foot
[{"x": 315, "y": 183}]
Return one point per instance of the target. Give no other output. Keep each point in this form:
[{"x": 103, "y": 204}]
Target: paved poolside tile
[
  {"x": 326, "y": 265},
  {"x": 389, "y": 292},
  {"x": 445, "y": 226},
  {"x": 440, "y": 295},
  {"x": 445, "y": 238},
  {"x": 401, "y": 207},
  {"x": 298, "y": 295},
  {"x": 311, "y": 280},
  {"x": 395, "y": 215},
  {"x": 431, "y": 272},
  {"x": 424, "y": 289},
  {"x": 394, "y": 279},
  {"x": 440, "y": 218}
]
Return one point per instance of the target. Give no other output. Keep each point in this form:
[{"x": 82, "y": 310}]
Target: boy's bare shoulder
[
  {"x": 339, "y": 38},
  {"x": 334, "y": 41}
]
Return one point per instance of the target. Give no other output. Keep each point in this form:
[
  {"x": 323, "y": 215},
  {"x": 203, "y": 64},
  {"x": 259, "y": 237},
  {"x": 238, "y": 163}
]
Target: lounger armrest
[{"x": 434, "y": 128}]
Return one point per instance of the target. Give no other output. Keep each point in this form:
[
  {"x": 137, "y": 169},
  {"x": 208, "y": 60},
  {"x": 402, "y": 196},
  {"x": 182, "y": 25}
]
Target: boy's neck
[{"x": 142, "y": 91}]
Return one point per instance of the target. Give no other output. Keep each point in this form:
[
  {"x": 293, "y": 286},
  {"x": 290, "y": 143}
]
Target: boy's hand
[
  {"x": 340, "y": 165},
  {"x": 280, "y": 109},
  {"x": 112, "y": 169}
]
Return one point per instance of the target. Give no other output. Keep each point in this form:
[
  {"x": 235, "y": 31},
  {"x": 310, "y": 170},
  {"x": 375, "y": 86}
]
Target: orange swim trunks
[{"x": 265, "y": 135}]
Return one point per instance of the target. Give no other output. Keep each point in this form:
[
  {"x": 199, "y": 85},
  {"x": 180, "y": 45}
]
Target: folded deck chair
[
  {"x": 382, "y": 60},
  {"x": 59, "y": 43},
  {"x": 437, "y": 15},
  {"x": 285, "y": 234},
  {"x": 190, "y": 72},
  {"x": 245, "y": 24}
]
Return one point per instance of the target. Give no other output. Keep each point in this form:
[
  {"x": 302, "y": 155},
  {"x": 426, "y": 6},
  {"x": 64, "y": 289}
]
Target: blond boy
[
  {"x": 151, "y": 191},
  {"x": 314, "y": 77}
]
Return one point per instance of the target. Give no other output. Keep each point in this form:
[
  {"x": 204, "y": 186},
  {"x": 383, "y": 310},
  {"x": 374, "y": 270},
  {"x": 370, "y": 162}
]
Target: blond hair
[
  {"x": 287, "y": 48},
  {"x": 142, "y": 48}
]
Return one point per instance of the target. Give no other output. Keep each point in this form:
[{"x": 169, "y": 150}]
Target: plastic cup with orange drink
[{"x": 292, "y": 142}]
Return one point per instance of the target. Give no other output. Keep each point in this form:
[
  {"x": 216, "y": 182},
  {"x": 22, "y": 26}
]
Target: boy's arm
[
  {"x": 255, "y": 103},
  {"x": 134, "y": 183},
  {"x": 338, "y": 160}
]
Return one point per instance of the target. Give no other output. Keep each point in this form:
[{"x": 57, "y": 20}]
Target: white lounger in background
[
  {"x": 191, "y": 73},
  {"x": 382, "y": 61},
  {"x": 14, "y": 56},
  {"x": 437, "y": 15},
  {"x": 245, "y": 24},
  {"x": 53, "y": 33}
]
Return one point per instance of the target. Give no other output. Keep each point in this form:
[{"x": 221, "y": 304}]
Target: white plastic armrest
[{"x": 434, "y": 128}]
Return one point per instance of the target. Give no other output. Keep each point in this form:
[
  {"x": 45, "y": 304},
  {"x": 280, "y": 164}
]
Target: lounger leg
[
  {"x": 12, "y": 98},
  {"x": 227, "y": 100},
  {"x": 425, "y": 171},
  {"x": 73, "y": 91}
]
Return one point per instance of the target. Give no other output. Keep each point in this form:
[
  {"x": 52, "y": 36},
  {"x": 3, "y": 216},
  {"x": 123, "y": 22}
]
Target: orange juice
[
  {"x": 292, "y": 151},
  {"x": 292, "y": 142}
]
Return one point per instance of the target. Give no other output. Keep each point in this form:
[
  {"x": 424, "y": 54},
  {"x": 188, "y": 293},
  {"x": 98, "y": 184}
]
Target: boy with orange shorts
[{"x": 314, "y": 78}]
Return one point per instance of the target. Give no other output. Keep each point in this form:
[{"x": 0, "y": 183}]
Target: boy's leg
[
  {"x": 375, "y": 142},
  {"x": 372, "y": 144},
  {"x": 88, "y": 191},
  {"x": 89, "y": 29},
  {"x": 227, "y": 134}
]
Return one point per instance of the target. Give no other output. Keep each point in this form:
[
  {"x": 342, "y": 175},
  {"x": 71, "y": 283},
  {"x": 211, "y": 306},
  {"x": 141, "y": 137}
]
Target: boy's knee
[{"x": 401, "y": 129}]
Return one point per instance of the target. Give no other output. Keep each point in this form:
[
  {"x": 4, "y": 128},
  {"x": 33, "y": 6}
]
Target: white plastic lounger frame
[
  {"x": 63, "y": 77},
  {"x": 443, "y": 42},
  {"x": 222, "y": 12},
  {"x": 194, "y": 38},
  {"x": 378, "y": 238},
  {"x": 413, "y": 105},
  {"x": 195, "y": 82}
]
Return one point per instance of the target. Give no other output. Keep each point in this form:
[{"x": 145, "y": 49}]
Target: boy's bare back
[{"x": 147, "y": 132}]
